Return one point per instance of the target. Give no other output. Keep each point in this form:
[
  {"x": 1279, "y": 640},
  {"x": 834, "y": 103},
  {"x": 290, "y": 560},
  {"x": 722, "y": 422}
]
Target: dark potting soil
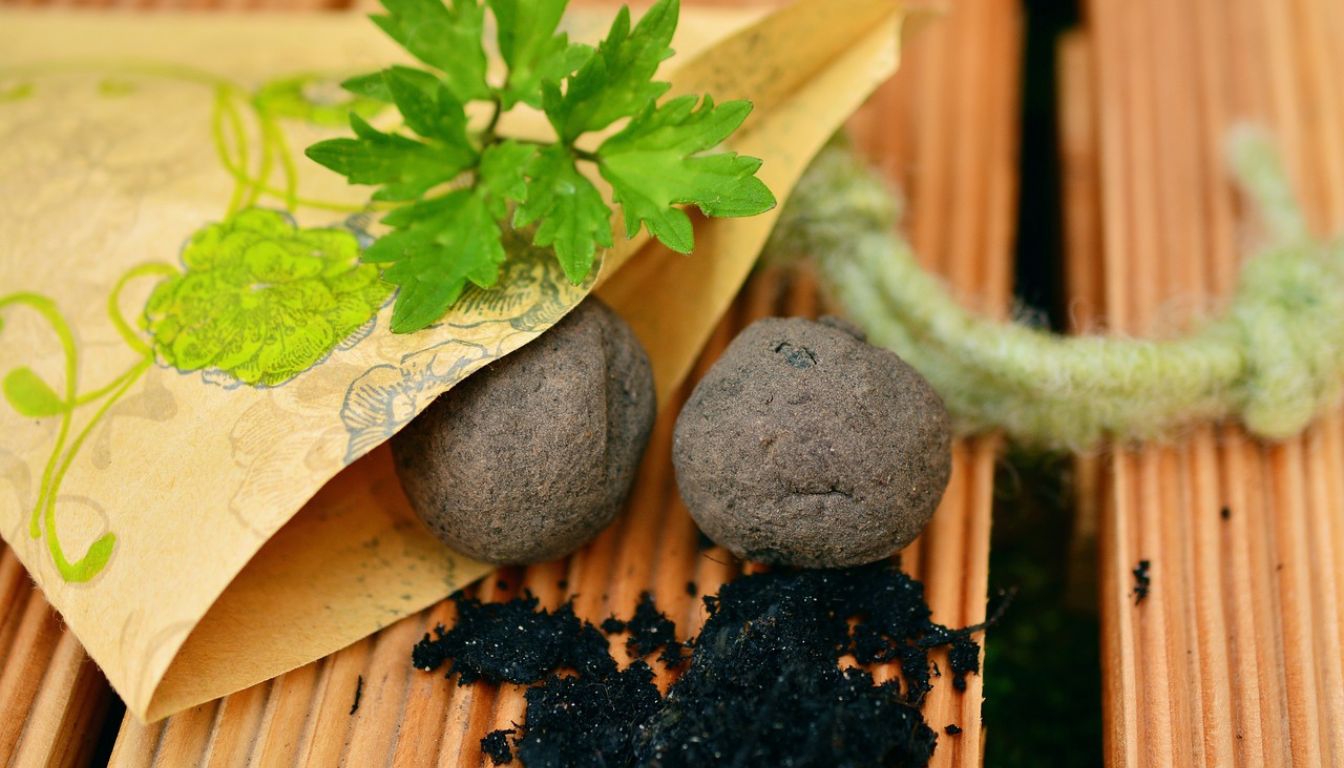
[
  {"x": 763, "y": 685},
  {"x": 649, "y": 629},
  {"x": 495, "y": 745},
  {"x": 587, "y": 720},
  {"x": 514, "y": 642}
]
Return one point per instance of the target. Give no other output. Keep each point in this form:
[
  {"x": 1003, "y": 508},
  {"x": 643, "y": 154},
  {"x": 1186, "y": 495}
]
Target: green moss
[{"x": 1042, "y": 663}]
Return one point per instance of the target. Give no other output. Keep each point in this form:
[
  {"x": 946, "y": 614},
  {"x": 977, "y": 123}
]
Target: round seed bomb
[
  {"x": 804, "y": 445},
  {"x": 532, "y": 456}
]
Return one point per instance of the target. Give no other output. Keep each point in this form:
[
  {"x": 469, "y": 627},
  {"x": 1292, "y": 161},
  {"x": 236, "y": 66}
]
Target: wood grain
[
  {"x": 945, "y": 130},
  {"x": 52, "y": 697},
  {"x": 1235, "y": 656}
]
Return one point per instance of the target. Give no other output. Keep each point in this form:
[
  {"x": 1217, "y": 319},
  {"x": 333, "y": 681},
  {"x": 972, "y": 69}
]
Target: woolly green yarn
[{"x": 1273, "y": 358}]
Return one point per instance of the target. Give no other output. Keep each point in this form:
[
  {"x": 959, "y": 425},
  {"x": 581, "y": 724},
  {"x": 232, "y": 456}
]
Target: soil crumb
[
  {"x": 495, "y": 745},
  {"x": 1143, "y": 581},
  {"x": 649, "y": 629},
  {"x": 359, "y": 692},
  {"x": 761, "y": 685}
]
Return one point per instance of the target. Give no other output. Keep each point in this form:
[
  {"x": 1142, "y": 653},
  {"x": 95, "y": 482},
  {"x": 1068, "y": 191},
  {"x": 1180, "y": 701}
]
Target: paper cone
[{"x": 203, "y": 531}]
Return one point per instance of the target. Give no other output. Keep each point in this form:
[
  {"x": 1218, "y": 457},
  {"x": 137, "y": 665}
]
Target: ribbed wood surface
[
  {"x": 945, "y": 130},
  {"x": 52, "y": 697},
  {"x": 1234, "y": 659}
]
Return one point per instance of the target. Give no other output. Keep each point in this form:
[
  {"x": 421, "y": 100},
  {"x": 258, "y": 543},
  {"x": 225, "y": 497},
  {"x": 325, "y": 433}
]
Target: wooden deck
[
  {"x": 945, "y": 129},
  {"x": 1234, "y": 659}
]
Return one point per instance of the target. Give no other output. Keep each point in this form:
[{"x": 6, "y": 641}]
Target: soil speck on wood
[
  {"x": 359, "y": 691},
  {"x": 1143, "y": 581}
]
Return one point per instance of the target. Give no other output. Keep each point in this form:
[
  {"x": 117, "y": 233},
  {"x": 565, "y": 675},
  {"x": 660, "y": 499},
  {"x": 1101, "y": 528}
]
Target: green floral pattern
[{"x": 261, "y": 300}]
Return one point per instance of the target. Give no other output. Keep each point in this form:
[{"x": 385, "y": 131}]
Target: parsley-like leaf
[
  {"x": 407, "y": 168},
  {"x": 446, "y": 37},
  {"x": 443, "y": 240},
  {"x": 653, "y": 165},
  {"x": 503, "y": 175},
  {"x": 455, "y": 241},
  {"x": 574, "y": 219},
  {"x": 427, "y": 106},
  {"x": 617, "y": 81},
  {"x": 533, "y": 51},
  {"x": 370, "y": 86}
]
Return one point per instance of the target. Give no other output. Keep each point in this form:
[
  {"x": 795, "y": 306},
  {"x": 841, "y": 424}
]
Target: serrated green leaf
[
  {"x": 502, "y": 177},
  {"x": 446, "y": 36},
  {"x": 407, "y": 167},
  {"x": 532, "y": 49},
  {"x": 616, "y": 81},
  {"x": 455, "y": 240},
  {"x": 30, "y": 395},
  {"x": 402, "y": 192},
  {"x": 656, "y": 163},
  {"x": 370, "y": 86},
  {"x": 406, "y": 216},
  {"x": 427, "y": 106},
  {"x": 573, "y": 218},
  {"x": 652, "y": 166}
]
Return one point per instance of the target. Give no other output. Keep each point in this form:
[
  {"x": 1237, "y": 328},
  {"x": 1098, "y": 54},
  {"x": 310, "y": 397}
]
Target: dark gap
[
  {"x": 1042, "y": 664},
  {"x": 1039, "y": 267},
  {"x": 113, "y": 713}
]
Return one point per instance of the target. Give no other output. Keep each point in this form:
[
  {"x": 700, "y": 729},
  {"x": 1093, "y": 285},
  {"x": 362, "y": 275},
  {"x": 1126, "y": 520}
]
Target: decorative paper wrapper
[{"x": 198, "y": 374}]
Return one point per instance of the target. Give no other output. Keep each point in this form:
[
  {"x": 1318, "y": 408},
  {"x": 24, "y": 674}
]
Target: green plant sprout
[{"x": 455, "y": 187}]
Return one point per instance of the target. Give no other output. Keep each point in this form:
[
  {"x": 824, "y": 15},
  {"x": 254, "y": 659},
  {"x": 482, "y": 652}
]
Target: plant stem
[{"x": 488, "y": 135}]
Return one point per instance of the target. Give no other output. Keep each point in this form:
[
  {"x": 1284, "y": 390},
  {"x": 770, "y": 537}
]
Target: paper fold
[{"x": 122, "y": 136}]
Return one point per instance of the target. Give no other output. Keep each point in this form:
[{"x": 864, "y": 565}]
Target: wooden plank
[
  {"x": 1081, "y": 214},
  {"x": 1234, "y": 658},
  {"x": 53, "y": 699},
  {"x": 945, "y": 130}
]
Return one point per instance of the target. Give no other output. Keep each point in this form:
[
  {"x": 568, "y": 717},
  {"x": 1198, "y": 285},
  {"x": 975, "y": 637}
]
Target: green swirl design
[
  {"x": 262, "y": 300},
  {"x": 313, "y": 98},
  {"x": 259, "y": 302}
]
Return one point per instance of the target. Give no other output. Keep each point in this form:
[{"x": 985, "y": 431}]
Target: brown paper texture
[{"x": 202, "y": 531}]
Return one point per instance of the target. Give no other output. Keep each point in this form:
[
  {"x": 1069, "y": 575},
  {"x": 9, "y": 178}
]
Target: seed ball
[
  {"x": 806, "y": 446},
  {"x": 532, "y": 456}
]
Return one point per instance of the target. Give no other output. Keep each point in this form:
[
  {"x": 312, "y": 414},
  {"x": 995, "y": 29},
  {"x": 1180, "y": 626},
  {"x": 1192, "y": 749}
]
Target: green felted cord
[{"x": 1273, "y": 358}]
